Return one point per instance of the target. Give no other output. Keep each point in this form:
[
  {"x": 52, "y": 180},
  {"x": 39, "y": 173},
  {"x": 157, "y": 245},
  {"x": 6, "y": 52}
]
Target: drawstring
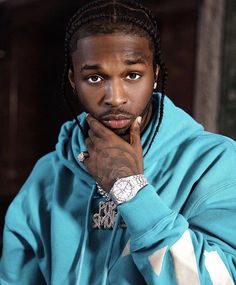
[
  {"x": 109, "y": 251},
  {"x": 85, "y": 238}
]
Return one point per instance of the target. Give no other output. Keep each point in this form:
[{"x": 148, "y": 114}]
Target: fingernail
[{"x": 139, "y": 120}]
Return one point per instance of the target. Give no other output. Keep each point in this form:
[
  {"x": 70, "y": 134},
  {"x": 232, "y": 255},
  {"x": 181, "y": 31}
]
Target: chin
[
  {"x": 121, "y": 132},
  {"x": 124, "y": 134}
]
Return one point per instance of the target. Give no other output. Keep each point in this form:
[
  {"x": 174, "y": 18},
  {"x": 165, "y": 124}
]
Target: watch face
[{"x": 123, "y": 190}]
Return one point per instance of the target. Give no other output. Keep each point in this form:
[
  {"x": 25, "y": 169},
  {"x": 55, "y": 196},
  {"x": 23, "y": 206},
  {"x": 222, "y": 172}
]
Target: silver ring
[{"x": 82, "y": 156}]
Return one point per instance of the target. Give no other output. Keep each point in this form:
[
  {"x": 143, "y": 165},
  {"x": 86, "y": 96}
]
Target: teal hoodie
[{"x": 180, "y": 228}]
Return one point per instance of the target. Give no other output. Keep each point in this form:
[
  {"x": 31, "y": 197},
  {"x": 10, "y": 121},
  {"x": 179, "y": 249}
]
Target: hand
[{"x": 111, "y": 157}]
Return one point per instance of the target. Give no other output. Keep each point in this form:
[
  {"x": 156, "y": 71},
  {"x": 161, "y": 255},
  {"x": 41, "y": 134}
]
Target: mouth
[{"x": 116, "y": 121}]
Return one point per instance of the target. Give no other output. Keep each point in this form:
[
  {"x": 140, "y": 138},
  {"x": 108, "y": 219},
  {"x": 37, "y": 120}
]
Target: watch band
[{"x": 124, "y": 189}]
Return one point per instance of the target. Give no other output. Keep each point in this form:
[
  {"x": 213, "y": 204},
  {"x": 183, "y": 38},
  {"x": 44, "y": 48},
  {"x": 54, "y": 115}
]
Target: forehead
[{"x": 117, "y": 45}]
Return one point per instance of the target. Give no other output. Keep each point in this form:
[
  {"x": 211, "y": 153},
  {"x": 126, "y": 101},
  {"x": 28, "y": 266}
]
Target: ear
[{"x": 71, "y": 78}]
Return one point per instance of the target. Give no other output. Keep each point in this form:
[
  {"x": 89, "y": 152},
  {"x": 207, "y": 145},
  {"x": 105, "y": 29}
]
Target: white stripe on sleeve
[
  {"x": 184, "y": 260},
  {"x": 126, "y": 250},
  {"x": 217, "y": 269},
  {"x": 156, "y": 260}
]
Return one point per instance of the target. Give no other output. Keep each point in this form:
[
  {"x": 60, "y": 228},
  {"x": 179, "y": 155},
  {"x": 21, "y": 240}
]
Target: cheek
[
  {"x": 88, "y": 97},
  {"x": 88, "y": 103},
  {"x": 141, "y": 93}
]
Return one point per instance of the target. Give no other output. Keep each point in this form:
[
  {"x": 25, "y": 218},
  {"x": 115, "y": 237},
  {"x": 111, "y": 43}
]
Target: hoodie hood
[{"x": 173, "y": 130}]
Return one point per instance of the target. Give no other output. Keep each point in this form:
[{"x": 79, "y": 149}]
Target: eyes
[
  {"x": 95, "y": 79},
  {"x": 133, "y": 76}
]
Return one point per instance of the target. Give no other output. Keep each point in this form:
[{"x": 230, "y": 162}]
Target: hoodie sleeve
[
  {"x": 24, "y": 252},
  {"x": 191, "y": 235},
  {"x": 168, "y": 248},
  {"x": 19, "y": 265}
]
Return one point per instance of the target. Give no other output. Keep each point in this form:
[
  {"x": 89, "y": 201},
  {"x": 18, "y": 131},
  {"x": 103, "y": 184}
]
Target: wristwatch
[{"x": 124, "y": 189}]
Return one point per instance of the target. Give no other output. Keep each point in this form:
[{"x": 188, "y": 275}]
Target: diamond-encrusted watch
[{"x": 124, "y": 189}]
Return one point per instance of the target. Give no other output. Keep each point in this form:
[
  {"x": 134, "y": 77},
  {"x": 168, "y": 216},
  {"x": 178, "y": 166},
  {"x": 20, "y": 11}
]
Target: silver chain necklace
[{"x": 103, "y": 193}]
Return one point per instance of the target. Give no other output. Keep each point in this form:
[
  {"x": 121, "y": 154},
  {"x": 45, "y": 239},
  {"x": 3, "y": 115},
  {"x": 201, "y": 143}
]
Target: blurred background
[{"x": 199, "y": 46}]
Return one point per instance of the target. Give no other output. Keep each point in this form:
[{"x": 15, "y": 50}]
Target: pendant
[{"x": 105, "y": 218}]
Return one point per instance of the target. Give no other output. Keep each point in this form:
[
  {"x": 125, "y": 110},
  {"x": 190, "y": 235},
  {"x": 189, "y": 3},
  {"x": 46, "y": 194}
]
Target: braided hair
[{"x": 107, "y": 17}]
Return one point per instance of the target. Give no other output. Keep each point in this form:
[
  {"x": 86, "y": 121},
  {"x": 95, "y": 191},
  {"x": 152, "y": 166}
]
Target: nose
[{"x": 114, "y": 93}]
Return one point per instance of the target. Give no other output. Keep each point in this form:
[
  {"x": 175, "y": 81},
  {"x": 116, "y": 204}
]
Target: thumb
[{"x": 135, "y": 140}]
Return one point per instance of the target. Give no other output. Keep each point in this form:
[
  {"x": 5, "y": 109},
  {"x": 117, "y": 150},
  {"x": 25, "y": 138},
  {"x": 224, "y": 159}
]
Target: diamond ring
[{"x": 82, "y": 156}]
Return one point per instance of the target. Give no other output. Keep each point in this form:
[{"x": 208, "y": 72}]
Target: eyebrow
[
  {"x": 90, "y": 67},
  {"x": 134, "y": 61}
]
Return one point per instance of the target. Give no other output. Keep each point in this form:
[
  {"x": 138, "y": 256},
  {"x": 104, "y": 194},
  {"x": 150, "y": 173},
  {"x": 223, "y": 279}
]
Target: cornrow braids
[{"x": 107, "y": 17}]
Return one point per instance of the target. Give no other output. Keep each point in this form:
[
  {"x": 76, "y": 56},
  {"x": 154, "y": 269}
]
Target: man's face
[{"x": 113, "y": 75}]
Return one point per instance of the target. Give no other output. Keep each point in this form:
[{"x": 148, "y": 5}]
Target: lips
[{"x": 116, "y": 121}]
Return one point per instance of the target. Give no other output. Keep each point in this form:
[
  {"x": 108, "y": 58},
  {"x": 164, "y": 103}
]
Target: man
[{"x": 136, "y": 191}]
